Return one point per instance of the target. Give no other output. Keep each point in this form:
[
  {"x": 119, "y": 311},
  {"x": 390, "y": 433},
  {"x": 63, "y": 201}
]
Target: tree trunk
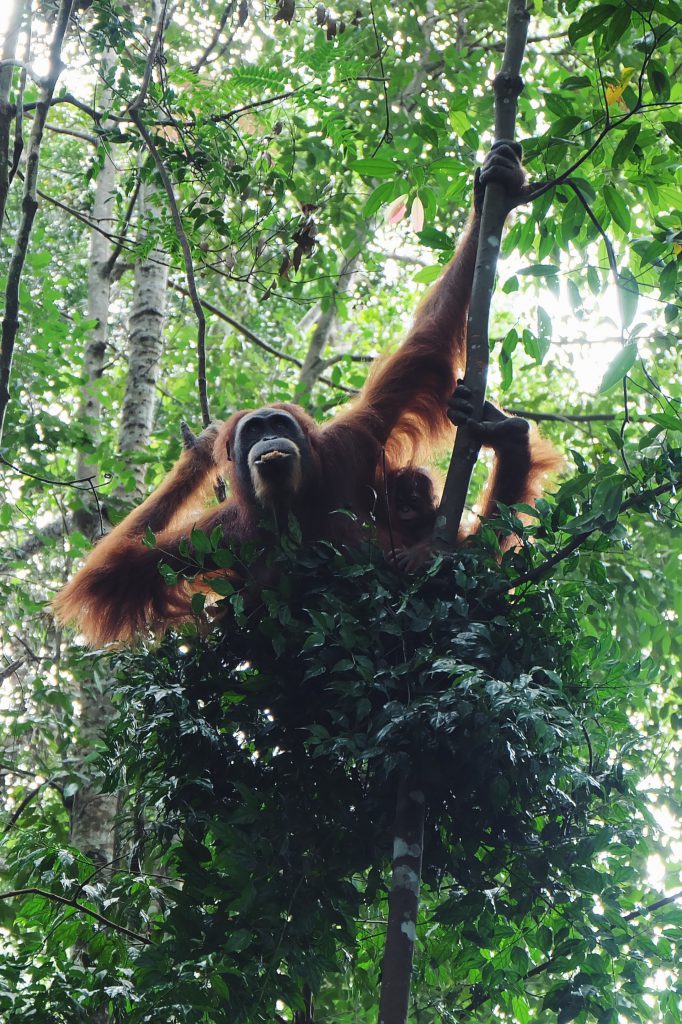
[
  {"x": 145, "y": 345},
  {"x": 99, "y": 290},
  {"x": 93, "y": 812},
  {"x": 8, "y": 53},
  {"x": 403, "y": 904},
  {"x": 314, "y": 364}
]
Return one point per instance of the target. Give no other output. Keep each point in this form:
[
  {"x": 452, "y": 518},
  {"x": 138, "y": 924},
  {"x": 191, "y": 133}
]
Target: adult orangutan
[{"x": 279, "y": 461}]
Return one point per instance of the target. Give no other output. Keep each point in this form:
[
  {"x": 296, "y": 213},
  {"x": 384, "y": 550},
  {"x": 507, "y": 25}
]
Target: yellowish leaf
[
  {"x": 417, "y": 214},
  {"x": 397, "y": 210}
]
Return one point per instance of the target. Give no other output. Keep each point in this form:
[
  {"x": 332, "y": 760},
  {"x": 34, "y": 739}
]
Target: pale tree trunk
[
  {"x": 99, "y": 290},
  {"x": 314, "y": 364},
  {"x": 93, "y": 812},
  {"x": 145, "y": 345},
  {"x": 8, "y": 53}
]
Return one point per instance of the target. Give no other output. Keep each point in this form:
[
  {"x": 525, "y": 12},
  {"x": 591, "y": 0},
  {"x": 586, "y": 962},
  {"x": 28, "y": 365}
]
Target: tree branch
[
  {"x": 29, "y": 206},
  {"x": 533, "y": 575},
  {"x": 64, "y": 901},
  {"x": 507, "y": 86}
]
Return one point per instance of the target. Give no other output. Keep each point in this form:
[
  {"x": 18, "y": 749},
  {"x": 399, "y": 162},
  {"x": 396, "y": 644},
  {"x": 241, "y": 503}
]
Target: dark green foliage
[{"x": 268, "y": 753}]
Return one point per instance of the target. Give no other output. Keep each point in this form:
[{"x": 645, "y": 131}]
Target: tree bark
[
  {"x": 508, "y": 86},
  {"x": 7, "y": 113},
  {"x": 93, "y": 812},
  {"x": 99, "y": 287},
  {"x": 403, "y": 904},
  {"x": 314, "y": 364},
  {"x": 147, "y": 317}
]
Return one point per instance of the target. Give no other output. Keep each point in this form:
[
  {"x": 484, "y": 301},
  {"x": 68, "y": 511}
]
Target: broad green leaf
[
  {"x": 628, "y": 295},
  {"x": 375, "y": 167},
  {"x": 619, "y": 367},
  {"x": 617, "y": 207}
]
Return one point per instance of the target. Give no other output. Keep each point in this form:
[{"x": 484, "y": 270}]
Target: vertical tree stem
[
  {"x": 7, "y": 111},
  {"x": 403, "y": 904},
  {"x": 507, "y": 86}
]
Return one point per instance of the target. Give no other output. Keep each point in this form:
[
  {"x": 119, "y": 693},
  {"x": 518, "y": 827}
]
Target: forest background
[{"x": 272, "y": 193}]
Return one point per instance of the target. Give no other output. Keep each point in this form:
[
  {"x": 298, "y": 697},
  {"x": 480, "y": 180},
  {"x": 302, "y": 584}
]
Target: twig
[
  {"x": 64, "y": 901},
  {"x": 228, "y": 11},
  {"x": 253, "y": 337},
  {"x": 553, "y": 417},
  {"x": 386, "y": 136}
]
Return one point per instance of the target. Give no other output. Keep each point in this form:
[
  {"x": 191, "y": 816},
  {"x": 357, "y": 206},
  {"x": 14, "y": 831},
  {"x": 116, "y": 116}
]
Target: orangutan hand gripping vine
[{"x": 279, "y": 461}]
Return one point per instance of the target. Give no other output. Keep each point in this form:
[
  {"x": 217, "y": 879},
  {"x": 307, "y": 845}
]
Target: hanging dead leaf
[
  {"x": 285, "y": 11},
  {"x": 305, "y": 238}
]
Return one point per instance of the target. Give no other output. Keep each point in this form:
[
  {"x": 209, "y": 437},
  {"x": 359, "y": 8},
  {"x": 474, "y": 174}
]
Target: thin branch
[
  {"x": 536, "y": 574},
  {"x": 118, "y": 248},
  {"x": 25, "y": 66},
  {"x": 64, "y": 901},
  {"x": 22, "y": 805},
  {"x": 664, "y": 902},
  {"x": 228, "y": 11},
  {"x": 9, "y": 48},
  {"x": 553, "y": 417},
  {"x": 92, "y": 139},
  {"x": 242, "y": 328},
  {"x": 73, "y": 101},
  {"x": 258, "y": 341},
  {"x": 29, "y": 206}
]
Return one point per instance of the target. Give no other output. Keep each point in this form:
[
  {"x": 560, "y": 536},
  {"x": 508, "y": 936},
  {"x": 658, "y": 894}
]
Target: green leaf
[
  {"x": 383, "y": 193},
  {"x": 222, "y": 586},
  {"x": 659, "y": 81},
  {"x": 617, "y": 207},
  {"x": 668, "y": 280},
  {"x": 608, "y": 497},
  {"x": 427, "y": 275},
  {"x": 435, "y": 239},
  {"x": 619, "y": 367},
  {"x": 628, "y": 296},
  {"x": 200, "y": 541},
  {"x": 540, "y": 270},
  {"x": 375, "y": 167},
  {"x": 591, "y": 19},
  {"x": 460, "y": 122},
  {"x": 197, "y": 603},
  {"x": 624, "y": 147},
  {"x": 674, "y": 130}
]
